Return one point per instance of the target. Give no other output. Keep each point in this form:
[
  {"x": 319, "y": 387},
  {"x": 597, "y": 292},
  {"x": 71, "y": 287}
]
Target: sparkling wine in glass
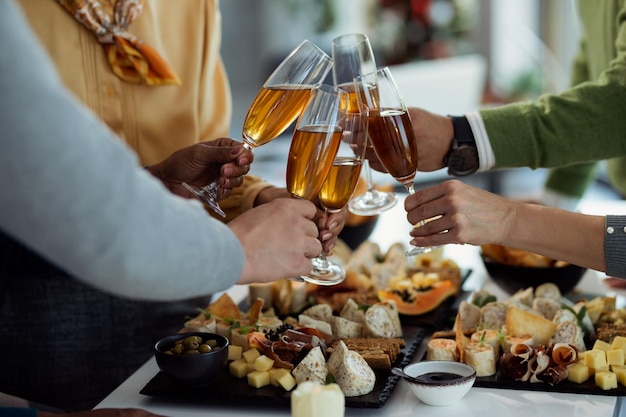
[
  {"x": 341, "y": 181},
  {"x": 353, "y": 56},
  {"x": 390, "y": 130},
  {"x": 314, "y": 145},
  {"x": 278, "y": 103},
  {"x": 285, "y": 94}
]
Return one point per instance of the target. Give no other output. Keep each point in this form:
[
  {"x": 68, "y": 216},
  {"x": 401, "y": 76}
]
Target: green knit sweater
[{"x": 584, "y": 123}]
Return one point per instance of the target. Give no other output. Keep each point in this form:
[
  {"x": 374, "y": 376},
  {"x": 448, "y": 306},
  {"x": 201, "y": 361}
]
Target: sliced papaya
[{"x": 413, "y": 301}]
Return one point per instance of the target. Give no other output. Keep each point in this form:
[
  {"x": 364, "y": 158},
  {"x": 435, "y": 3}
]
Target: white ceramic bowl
[{"x": 440, "y": 382}]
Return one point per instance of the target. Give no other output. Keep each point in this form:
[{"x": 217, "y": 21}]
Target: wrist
[
  {"x": 269, "y": 194},
  {"x": 462, "y": 157}
]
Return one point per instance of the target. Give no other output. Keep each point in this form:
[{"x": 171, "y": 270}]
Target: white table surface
[{"x": 479, "y": 402}]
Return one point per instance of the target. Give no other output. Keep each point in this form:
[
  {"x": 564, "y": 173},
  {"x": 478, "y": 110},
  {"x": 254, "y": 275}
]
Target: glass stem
[{"x": 368, "y": 175}]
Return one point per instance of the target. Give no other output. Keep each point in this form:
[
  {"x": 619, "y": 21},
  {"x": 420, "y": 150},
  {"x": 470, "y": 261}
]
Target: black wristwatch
[{"x": 463, "y": 157}]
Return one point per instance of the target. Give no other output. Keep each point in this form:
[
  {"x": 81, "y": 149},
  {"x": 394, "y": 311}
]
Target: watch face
[{"x": 463, "y": 161}]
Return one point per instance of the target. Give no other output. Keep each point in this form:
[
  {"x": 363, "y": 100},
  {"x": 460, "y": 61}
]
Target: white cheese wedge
[
  {"x": 312, "y": 367},
  {"x": 382, "y": 320},
  {"x": 322, "y": 326},
  {"x": 344, "y": 328},
  {"x": 352, "y": 312}
]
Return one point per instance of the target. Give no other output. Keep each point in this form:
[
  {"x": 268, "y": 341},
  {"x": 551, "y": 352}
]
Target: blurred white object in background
[{"x": 452, "y": 85}]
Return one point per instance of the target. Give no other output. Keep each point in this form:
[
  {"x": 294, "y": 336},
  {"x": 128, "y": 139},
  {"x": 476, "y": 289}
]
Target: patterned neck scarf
[{"x": 130, "y": 59}]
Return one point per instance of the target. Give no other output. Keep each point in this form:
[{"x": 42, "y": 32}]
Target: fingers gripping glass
[{"x": 282, "y": 98}]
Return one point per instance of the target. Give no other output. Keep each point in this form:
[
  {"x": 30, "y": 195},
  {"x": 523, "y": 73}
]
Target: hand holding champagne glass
[
  {"x": 279, "y": 102},
  {"x": 314, "y": 145},
  {"x": 353, "y": 56},
  {"x": 390, "y": 130}
]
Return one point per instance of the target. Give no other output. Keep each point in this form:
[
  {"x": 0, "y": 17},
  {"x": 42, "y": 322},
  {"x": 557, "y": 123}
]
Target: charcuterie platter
[
  {"x": 276, "y": 322},
  {"x": 229, "y": 390},
  {"x": 537, "y": 341}
]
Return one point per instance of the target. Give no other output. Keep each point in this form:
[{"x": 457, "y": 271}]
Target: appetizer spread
[
  {"x": 534, "y": 338},
  {"x": 417, "y": 287},
  {"x": 314, "y": 346}
]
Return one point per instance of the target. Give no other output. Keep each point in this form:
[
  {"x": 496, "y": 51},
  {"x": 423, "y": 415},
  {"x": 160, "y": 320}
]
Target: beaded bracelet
[{"x": 615, "y": 246}]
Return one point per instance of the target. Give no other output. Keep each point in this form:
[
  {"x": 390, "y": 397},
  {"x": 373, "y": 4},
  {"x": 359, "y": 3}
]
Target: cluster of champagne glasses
[{"x": 334, "y": 127}]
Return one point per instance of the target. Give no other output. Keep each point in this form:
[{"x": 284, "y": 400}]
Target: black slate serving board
[{"x": 230, "y": 390}]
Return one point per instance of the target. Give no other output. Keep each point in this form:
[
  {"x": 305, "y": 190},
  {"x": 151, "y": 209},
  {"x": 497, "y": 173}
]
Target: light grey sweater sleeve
[{"x": 74, "y": 193}]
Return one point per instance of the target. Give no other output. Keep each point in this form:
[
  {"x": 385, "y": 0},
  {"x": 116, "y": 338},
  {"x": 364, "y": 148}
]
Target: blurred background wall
[{"x": 448, "y": 56}]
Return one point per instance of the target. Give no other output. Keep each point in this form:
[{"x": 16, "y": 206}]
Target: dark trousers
[{"x": 66, "y": 344}]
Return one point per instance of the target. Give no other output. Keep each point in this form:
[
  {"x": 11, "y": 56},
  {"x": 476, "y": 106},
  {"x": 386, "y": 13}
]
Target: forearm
[
  {"x": 558, "y": 234},
  {"x": 79, "y": 199}
]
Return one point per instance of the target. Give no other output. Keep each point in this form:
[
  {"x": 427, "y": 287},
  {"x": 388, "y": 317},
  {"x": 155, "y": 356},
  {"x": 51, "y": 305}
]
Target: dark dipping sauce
[{"x": 433, "y": 377}]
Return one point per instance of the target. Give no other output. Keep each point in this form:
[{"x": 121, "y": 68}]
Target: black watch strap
[
  {"x": 462, "y": 159},
  {"x": 463, "y": 134}
]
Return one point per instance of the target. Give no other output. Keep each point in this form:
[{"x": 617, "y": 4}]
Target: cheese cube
[
  {"x": 238, "y": 368},
  {"x": 621, "y": 375},
  {"x": 577, "y": 373},
  {"x": 595, "y": 358},
  {"x": 615, "y": 368},
  {"x": 263, "y": 363},
  {"x": 619, "y": 342},
  {"x": 601, "y": 345},
  {"x": 250, "y": 355},
  {"x": 606, "y": 380},
  {"x": 615, "y": 357},
  {"x": 259, "y": 379},
  {"x": 282, "y": 378},
  {"x": 234, "y": 352}
]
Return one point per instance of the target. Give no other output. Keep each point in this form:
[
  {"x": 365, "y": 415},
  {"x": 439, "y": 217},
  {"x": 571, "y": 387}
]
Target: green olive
[
  {"x": 204, "y": 348},
  {"x": 212, "y": 342},
  {"x": 192, "y": 352}
]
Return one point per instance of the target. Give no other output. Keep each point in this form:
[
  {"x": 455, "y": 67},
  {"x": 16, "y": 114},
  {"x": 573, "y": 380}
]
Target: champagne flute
[
  {"x": 314, "y": 145},
  {"x": 390, "y": 131},
  {"x": 341, "y": 182},
  {"x": 353, "y": 56},
  {"x": 278, "y": 103},
  {"x": 285, "y": 94}
]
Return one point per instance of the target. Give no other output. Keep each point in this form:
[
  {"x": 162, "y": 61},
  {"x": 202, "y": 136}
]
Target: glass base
[
  {"x": 325, "y": 273},
  {"x": 372, "y": 202},
  {"x": 419, "y": 250}
]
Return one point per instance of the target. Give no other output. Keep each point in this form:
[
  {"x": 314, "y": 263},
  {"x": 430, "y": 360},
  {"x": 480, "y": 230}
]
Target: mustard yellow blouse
[{"x": 154, "y": 121}]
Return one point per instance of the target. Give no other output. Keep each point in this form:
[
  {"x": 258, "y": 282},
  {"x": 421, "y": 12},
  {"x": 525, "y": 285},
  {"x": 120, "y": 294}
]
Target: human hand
[
  {"x": 434, "y": 135},
  {"x": 279, "y": 239},
  {"x": 462, "y": 214},
  {"x": 201, "y": 163},
  {"x": 330, "y": 225},
  {"x": 104, "y": 412}
]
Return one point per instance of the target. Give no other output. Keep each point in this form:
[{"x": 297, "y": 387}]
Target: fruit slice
[{"x": 413, "y": 301}]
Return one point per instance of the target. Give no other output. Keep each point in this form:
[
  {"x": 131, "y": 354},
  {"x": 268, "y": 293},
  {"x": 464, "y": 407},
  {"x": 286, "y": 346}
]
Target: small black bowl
[
  {"x": 201, "y": 368},
  {"x": 353, "y": 236},
  {"x": 514, "y": 278}
]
